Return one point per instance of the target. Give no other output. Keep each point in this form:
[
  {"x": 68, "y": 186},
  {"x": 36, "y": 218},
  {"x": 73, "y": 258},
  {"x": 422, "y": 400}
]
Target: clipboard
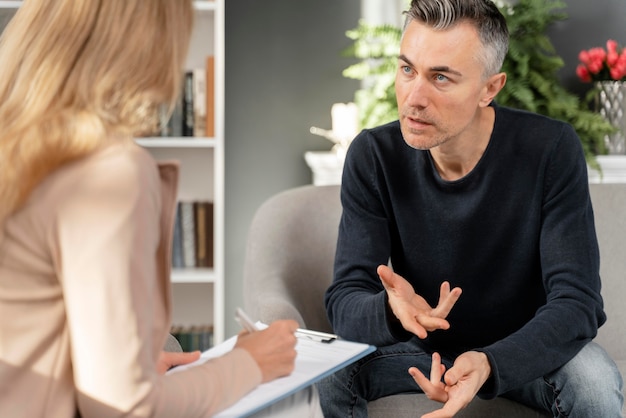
[{"x": 318, "y": 355}]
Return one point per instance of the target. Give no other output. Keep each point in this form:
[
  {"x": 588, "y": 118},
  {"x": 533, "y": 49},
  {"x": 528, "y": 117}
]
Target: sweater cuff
[{"x": 489, "y": 390}]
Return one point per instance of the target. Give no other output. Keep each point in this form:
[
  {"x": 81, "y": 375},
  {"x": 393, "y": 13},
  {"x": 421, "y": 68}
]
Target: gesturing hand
[
  {"x": 459, "y": 385},
  {"x": 415, "y": 314}
]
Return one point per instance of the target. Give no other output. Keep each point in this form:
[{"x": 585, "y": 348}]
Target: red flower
[
  {"x": 600, "y": 64},
  {"x": 583, "y": 73}
]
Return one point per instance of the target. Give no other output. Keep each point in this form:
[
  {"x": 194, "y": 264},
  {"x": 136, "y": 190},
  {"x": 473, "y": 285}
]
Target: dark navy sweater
[{"x": 516, "y": 234}]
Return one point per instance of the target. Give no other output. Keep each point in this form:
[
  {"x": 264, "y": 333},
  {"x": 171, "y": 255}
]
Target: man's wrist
[{"x": 393, "y": 323}]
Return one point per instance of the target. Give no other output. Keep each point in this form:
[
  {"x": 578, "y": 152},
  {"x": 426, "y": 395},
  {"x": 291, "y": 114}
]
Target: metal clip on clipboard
[
  {"x": 318, "y": 336},
  {"x": 321, "y": 337}
]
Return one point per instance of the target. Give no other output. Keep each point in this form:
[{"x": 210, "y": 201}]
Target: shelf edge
[{"x": 193, "y": 275}]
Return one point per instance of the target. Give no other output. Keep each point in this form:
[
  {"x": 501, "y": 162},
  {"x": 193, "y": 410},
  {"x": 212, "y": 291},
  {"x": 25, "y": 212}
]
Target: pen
[
  {"x": 247, "y": 324},
  {"x": 245, "y": 321}
]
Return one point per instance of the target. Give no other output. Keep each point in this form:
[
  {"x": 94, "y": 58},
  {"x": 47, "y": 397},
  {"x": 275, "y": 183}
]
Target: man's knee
[{"x": 590, "y": 381}]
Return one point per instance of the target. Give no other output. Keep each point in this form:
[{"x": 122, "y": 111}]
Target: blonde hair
[{"x": 77, "y": 73}]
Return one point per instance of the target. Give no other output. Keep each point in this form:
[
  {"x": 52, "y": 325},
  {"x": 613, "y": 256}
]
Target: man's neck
[{"x": 457, "y": 157}]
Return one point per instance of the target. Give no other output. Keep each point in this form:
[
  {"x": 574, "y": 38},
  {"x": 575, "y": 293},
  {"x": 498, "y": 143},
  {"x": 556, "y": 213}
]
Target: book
[
  {"x": 199, "y": 102},
  {"x": 314, "y": 361},
  {"x": 188, "y": 115},
  {"x": 177, "y": 241},
  {"x": 193, "y": 337},
  {"x": 171, "y": 124},
  {"x": 210, "y": 96},
  {"x": 203, "y": 217},
  {"x": 188, "y": 233}
]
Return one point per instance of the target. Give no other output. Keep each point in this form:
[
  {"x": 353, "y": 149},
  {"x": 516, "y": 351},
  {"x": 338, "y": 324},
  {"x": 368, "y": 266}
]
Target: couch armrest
[
  {"x": 269, "y": 307},
  {"x": 172, "y": 344}
]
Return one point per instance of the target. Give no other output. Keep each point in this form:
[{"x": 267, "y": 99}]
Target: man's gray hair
[{"x": 484, "y": 15}]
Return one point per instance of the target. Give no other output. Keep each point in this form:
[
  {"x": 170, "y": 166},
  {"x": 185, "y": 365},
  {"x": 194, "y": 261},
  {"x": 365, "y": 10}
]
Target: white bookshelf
[{"x": 198, "y": 293}]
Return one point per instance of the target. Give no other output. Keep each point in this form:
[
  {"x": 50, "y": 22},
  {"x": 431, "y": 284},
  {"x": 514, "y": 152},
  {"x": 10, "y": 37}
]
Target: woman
[{"x": 86, "y": 219}]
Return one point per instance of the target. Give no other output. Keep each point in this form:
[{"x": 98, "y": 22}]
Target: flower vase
[{"x": 611, "y": 104}]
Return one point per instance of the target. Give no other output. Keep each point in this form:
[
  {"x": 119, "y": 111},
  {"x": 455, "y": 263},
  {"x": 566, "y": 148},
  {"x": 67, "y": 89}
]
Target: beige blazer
[{"x": 85, "y": 298}]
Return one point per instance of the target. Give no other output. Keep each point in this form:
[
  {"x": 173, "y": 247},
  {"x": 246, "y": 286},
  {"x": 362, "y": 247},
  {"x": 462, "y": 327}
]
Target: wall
[
  {"x": 283, "y": 73},
  {"x": 589, "y": 24}
]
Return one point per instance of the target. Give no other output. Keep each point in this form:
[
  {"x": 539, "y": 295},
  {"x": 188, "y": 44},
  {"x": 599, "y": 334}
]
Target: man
[{"x": 485, "y": 215}]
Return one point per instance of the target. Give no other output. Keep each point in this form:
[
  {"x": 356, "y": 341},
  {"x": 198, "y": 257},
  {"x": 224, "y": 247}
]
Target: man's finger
[
  {"x": 421, "y": 380},
  {"x": 447, "y": 300},
  {"x": 451, "y": 407},
  {"x": 431, "y": 323},
  {"x": 436, "y": 393},
  {"x": 436, "y": 369},
  {"x": 386, "y": 276}
]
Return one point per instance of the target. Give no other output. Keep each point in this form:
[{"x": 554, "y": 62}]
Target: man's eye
[
  {"x": 441, "y": 77},
  {"x": 406, "y": 69}
]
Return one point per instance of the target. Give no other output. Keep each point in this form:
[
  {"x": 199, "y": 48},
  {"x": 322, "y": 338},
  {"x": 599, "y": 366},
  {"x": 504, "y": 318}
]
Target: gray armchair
[
  {"x": 289, "y": 264},
  {"x": 172, "y": 344}
]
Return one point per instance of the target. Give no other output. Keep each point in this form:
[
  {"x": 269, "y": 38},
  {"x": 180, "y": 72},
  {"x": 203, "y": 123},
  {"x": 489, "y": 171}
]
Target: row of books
[
  {"x": 194, "y": 114},
  {"x": 195, "y": 337},
  {"x": 192, "y": 245}
]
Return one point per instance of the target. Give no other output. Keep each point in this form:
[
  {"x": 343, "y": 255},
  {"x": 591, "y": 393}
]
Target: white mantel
[
  {"x": 613, "y": 169},
  {"x": 327, "y": 167}
]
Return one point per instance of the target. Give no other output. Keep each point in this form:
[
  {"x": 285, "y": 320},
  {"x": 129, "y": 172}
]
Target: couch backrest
[{"x": 609, "y": 205}]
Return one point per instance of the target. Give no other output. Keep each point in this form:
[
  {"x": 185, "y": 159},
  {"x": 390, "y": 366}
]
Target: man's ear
[{"x": 494, "y": 84}]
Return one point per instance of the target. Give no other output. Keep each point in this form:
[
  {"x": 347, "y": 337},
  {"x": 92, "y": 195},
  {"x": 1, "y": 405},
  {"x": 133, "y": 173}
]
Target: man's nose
[{"x": 418, "y": 92}]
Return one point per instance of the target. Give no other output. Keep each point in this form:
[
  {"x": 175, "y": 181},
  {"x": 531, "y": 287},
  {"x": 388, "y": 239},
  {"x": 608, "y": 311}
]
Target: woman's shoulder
[{"x": 118, "y": 168}]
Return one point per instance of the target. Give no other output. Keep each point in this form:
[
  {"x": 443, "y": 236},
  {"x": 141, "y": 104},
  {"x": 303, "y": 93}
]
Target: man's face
[{"x": 439, "y": 84}]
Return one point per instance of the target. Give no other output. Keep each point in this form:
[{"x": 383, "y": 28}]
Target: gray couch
[{"x": 289, "y": 262}]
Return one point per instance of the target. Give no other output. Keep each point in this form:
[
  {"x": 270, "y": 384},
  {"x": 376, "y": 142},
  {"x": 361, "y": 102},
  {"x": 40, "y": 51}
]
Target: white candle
[{"x": 344, "y": 121}]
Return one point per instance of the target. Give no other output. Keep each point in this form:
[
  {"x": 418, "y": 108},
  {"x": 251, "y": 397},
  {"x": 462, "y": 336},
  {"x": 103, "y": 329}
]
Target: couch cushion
[{"x": 414, "y": 405}]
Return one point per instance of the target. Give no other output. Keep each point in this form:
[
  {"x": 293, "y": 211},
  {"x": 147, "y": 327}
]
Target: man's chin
[
  {"x": 419, "y": 147},
  {"x": 419, "y": 140}
]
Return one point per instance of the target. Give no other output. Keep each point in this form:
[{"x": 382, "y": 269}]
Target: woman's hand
[
  {"x": 273, "y": 349},
  {"x": 167, "y": 360}
]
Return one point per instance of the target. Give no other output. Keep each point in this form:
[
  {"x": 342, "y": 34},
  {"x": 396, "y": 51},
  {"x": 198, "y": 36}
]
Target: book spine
[
  {"x": 188, "y": 233},
  {"x": 207, "y": 337},
  {"x": 193, "y": 337},
  {"x": 188, "y": 114},
  {"x": 210, "y": 96},
  {"x": 177, "y": 241},
  {"x": 203, "y": 212},
  {"x": 199, "y": 102}
]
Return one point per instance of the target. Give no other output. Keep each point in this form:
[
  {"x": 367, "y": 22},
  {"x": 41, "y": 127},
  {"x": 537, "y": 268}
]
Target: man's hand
[
  {"x": 169, "y": 359},
  {"x": 415, "y": 314},
  {"x": 459, "y": 385}
]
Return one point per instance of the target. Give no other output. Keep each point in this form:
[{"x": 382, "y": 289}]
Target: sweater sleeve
[
  {"x": 569, "y": 259},
  {"x": 106, "y": 237},
  {"x": 356, "y": 301},
  {"x": 209, "y": 388}
]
